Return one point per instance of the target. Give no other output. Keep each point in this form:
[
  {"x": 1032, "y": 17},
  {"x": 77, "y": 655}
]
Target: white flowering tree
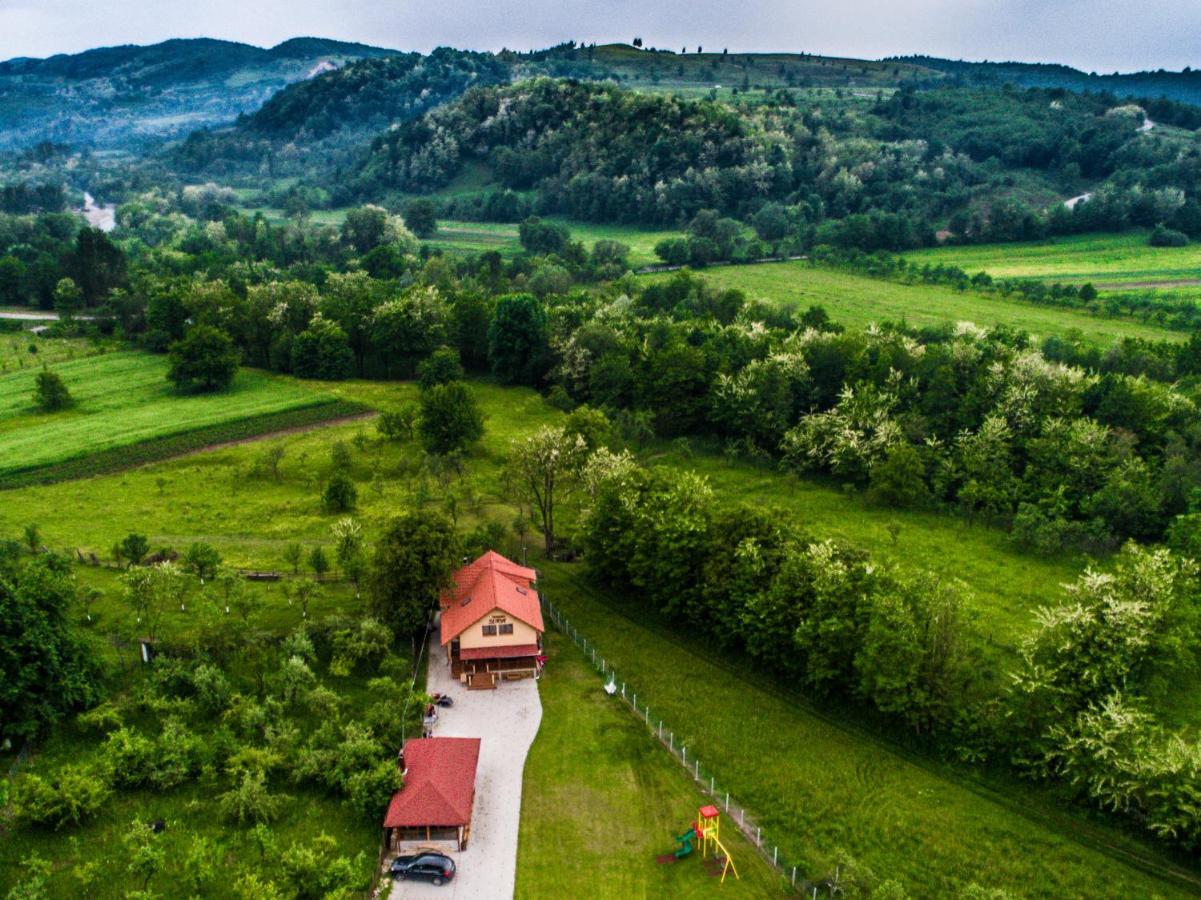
[{"x": 542, "y": 467}]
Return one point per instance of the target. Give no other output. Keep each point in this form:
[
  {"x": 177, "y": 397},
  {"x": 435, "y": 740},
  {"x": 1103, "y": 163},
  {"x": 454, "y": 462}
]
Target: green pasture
[
  {"x": 121, "y": 399},
  {"x": 826, "y": 792},
  {"x": 601, "y": 800},
  {"x": 856, "y": 301},
  {"x": 1109, "y": 261}
]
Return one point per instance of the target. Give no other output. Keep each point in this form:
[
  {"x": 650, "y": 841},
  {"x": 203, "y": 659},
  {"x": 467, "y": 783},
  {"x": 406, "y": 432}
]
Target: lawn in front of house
[{"x": 601, "y": 800}]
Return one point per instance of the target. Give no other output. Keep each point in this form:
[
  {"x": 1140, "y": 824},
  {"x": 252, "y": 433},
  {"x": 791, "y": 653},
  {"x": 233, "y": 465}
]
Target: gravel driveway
[{"x": 506, "y": 721}]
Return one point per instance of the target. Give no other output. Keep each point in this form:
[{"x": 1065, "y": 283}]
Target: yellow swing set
[{"x": 708, "y": 828}]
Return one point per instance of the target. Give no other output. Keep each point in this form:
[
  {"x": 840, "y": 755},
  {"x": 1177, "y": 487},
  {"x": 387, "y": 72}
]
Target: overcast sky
[{"x": 1094, "y": 35}]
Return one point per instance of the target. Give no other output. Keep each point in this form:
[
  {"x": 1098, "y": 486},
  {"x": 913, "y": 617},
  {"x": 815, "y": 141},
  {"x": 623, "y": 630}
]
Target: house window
[
  {"x": 506, "y": 629},
  {"x": 489, "y": 630}
]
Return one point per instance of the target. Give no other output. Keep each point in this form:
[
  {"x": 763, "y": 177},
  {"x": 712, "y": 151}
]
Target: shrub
[
  {"x": 50, "y": 392},
  {"x": 397, "y": 425},
  {"x": 442, "y": 367},
  {"x": 1162, "y": 236},
  {"x": 76, "y": 794}
]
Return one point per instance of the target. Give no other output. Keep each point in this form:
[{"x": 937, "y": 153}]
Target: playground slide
[{"x": 685, "y": 841}]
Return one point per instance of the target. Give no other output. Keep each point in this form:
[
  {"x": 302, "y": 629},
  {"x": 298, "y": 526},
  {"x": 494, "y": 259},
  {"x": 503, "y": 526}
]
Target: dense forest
[{"x": 881, "y": 177}]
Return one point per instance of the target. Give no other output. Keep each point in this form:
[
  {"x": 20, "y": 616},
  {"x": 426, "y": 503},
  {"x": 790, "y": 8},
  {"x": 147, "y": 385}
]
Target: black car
[{"x": 432, "y": 867}]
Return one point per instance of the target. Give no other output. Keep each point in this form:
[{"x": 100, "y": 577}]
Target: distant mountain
[
  {"x": 1182, "y": 86},
  {"x": 122, "y": 96}
]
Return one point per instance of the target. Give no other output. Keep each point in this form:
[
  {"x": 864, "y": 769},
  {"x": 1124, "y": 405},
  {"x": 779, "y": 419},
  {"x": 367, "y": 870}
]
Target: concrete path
[{"x": 506, "y": 721}]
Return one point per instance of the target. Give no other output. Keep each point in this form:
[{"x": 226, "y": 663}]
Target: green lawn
[
  {"x": 1107, "y": 260},
  {"x": 122, "y": 399},
  {"x": 857, "y": 301},
  {"x": 602, "y": 800},
  {"x": 822, "y": 790}
]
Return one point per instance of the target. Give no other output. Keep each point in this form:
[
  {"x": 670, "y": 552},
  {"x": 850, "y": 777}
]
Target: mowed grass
[
  {"x": 821, "y": 789},
  {"x": 857, "y": 301},
  {"x": 1005, "y": 585},
  {"x": 601, "y": 800},
  {"x": 25, "y": 350},
  {"x": 121, "y": 399},
  {"x": 214, "y": 495},
  {"x": 1107, "y": 260}
]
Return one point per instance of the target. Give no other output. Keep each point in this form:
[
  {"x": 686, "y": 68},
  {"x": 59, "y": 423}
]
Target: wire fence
[{"x": 706, "y": 778}]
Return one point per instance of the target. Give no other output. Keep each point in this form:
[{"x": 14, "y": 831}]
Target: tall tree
[
  {"x": 541, "y": 467},
  {"x": 414, "y": 559},
  {"x": 518, "y": 339}
]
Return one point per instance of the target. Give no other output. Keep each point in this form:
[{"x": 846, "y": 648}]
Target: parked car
[{"x": 433, "y": 867}]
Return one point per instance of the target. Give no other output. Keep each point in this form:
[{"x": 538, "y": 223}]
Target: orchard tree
[
  {"x": 542, "y": 467},
  {"x": 45, "y": 669},
  {"x": 150, "y": 591},
  {"x": 205, "y": 360},
  {"x": 413, "y": 561},
  {"x": 449, "y": 420},
  {"x": 132, "y": 549}
]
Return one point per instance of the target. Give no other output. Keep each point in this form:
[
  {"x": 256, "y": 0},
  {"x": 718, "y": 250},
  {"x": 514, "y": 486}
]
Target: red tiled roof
[
  {"x": 439, "y": 787},
  {"x": 491, "y": 590},
  {"x": 499, "y": 652},
  {"x": 466, "y": 577}
]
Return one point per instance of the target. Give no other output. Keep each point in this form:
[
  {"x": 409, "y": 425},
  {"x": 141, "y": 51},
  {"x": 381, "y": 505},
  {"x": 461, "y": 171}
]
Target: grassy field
[
  {"x": 857, "y": 301},
  {"x": 479, "y": 237},
  {"x": 1113, "y": 261},
  {"x": 24, "y": 351},
  {"x": 601, "y": 801},
  {"x": 834, "y": 788},
  {"x": 122, "y": 399},
  {"x": 824, "y": 791}
]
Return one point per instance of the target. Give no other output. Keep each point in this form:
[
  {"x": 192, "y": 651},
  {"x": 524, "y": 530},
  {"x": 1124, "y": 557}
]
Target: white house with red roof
[
  {"x": 435, "y": 804},
  {"x": 491, "y": 624}
]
